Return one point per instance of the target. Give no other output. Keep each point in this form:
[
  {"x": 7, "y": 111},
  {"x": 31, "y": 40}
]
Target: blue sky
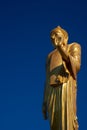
[{"x": 24, "y": 44}]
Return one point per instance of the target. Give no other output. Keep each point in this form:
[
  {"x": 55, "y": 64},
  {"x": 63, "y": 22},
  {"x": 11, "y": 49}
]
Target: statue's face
[{"x": 57, "y": 38}]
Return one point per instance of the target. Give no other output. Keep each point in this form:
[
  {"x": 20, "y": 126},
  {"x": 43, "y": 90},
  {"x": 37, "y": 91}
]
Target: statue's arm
[
  {"x": 75, "y": 58},
  {"x": 46, "y": 81},
  {"x": 64, "y": 53},
  {"x": 72, "y": 56},
  {"x": 44, "y": 105}
]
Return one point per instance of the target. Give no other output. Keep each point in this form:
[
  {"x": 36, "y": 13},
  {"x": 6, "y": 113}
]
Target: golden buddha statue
[{"x": 62, "y": 65}]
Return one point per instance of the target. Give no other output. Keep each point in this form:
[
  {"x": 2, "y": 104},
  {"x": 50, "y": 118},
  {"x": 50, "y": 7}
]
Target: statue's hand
[
  {"x": 44, "y": 111},
  {"x": 62, "y": 45}
]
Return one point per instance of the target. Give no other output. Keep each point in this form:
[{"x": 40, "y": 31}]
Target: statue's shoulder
[
  {"x": 74, "y": 47},
  {"x": 51, "y": 53}
]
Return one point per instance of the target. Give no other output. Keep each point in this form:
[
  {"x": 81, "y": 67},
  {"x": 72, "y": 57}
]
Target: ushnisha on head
[{"x": 59, "y": 37}]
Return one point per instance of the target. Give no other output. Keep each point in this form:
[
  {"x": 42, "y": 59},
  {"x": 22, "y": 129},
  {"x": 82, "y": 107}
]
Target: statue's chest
[{"x": 56, "y": 60}]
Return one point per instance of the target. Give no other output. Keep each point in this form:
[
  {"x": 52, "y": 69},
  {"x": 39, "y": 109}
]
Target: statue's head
[{"x": 59, "y": 35}]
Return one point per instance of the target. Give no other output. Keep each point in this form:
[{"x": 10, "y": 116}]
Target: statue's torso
[
  {"x": 56, "y": 59},
  {"x": 55, "y": 66}
]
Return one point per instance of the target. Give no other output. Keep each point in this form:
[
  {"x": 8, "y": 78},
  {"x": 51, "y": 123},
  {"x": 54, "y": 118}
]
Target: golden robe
[{"x": 61, "y": 88}]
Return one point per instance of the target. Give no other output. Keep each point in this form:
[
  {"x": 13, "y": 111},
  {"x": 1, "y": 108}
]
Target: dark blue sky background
[{"x": 24, "y": 44}]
